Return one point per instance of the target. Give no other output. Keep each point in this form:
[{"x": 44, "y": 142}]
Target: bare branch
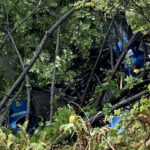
[
  {"x": 119, "y": 105},
  {"x": 53, "y": 78},
  {"x": 30, "y": 64},
  {"x": 22, "y": 65},
  {"x": 98, "y": 57}
]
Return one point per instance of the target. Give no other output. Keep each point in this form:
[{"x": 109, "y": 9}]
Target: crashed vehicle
[
  {"x": 135, "y": 58},
  {"x": 136, "y": 61},
  {"x": 40, "y": 106},
  {"x": 40, "y": 97}
]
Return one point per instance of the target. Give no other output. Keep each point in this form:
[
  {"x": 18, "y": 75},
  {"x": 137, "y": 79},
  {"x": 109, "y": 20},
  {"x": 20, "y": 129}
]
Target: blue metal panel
[
  {"x": 18, "y": 113},
  {"x": 136, "y": 57}
]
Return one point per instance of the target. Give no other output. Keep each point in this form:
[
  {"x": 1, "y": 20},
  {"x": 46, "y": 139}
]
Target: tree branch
[
  {"x": 98, "y": 57},
  {"x": 53, "y": 78},
  {"x": 22, "y": 65},
  {"x": 109, "y": 43},
  {"x": 118, "y": 105},
  {"x": 26, "y": 77},
  {"x": 30, "y": 64}
]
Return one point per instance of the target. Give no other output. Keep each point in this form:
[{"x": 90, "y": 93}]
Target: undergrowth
[{"x": 70, "y": 132}]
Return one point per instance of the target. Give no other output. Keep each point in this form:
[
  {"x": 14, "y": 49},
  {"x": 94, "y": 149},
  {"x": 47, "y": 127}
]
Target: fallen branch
[
  {"x": 98, "y": 57},
  {"x": 118, "y": 105},
  {"x": 125, "y": 90},
  {"x": 32, "y": 61},
  {"x": 106, "y": 98}
]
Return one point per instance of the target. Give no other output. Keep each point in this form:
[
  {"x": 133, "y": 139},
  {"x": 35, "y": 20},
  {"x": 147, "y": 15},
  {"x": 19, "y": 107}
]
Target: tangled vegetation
[
  {"x": 136, "y": 126},
  {"x": 77, "y": 63}
]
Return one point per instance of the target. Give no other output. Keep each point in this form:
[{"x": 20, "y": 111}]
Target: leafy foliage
[
  {"x": 80, "y": 35},
  {"x": 43, "y": 136},
  {"x": 137, "y": 14},
  {"x": 131, "y": 81}
]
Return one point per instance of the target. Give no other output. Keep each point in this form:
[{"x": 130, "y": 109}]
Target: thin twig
[
  {"x": 53, "y": 78},
  {"x": 54, "y": 141},
  {"x": 80, "y": 109},
  {"x": 108, "y": 143},
  {"x": 26, "y": 78},
  {"x": 22, "y": 65},
  {"x": 109, "y": 44}
]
